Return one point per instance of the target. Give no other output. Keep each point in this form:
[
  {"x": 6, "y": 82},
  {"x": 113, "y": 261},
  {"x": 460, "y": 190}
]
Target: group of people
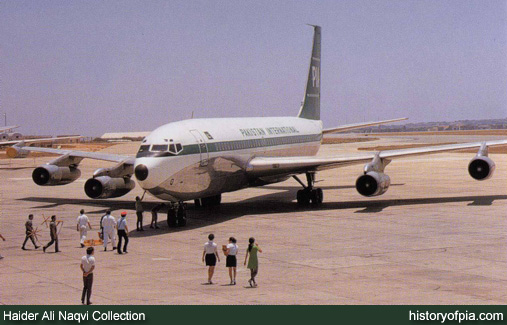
[
  {"x": 108, "y": 225},
  {"x": 210, "y": 256}
]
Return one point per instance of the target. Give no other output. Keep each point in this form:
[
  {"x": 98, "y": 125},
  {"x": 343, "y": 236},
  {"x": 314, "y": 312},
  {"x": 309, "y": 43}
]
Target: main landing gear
[
  {"x": 309, "y": 194},
  {"x": 177, "y": 215},
  {"x": 208, "y": 201}
]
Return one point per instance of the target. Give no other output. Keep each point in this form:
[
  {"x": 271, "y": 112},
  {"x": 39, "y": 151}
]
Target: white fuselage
[{"x": 199, "y": 158}]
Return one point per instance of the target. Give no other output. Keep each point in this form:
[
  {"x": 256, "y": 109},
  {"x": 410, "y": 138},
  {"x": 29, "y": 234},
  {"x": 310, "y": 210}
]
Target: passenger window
[{"x": 159, "y": 147}]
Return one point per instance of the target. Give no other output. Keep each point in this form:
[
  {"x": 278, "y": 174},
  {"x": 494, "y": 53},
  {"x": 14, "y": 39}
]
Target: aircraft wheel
[
  {"x": 317, "y": 196},
  {"x": 171, "y": 218},
  {"x": 181, "y": 217},
  {"x": 303, "y": 197}
]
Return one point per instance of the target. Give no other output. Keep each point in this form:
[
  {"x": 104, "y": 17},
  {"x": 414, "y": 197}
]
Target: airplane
[
  {"x": 199, "y": 159},
  {"x": 7, "y": 134}
]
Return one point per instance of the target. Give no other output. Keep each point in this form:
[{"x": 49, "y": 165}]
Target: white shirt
[
  {"x": 108, "y": 222},
  {"x": 210, "y": 247},
  {"x": 122, "y": 222},
  {"x": 82, "y": 220},
  {"x": 233, "y": 249},
  {"x": 87, "y": 262}
]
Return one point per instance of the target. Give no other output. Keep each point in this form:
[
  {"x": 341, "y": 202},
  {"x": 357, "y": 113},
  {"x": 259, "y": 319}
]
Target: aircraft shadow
[{"x": 273, "y": 203}]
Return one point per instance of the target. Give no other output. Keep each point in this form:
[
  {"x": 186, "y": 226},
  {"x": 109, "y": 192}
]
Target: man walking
[
  {"x": 139, "y": 213},
  {"x": 54, "y": 235},
  {"x": 109, "y": 224},
  {"x": 29, "y": 232},
  {"x": 123, "y": 231},
  {"x": 82, "y": 221},
  {"x": 87, "y": 266}
]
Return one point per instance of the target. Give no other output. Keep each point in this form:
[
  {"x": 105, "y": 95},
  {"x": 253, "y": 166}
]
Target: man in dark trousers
[
  {"x": 154, "y": 215},
  {"x": 29, "y": 232},
  {"x": 87, "y": 266},
  {"x": 139, "y": 213},
  {"x": 54, "y": 235},
  {"x": 123, "y": 231}
]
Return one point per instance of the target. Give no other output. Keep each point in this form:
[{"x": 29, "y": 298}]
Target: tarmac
[{"x": 436, "y": 236}]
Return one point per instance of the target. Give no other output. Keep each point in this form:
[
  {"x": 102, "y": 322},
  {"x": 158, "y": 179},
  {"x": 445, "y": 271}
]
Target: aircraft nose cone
[{"x": 141, "y": 172}]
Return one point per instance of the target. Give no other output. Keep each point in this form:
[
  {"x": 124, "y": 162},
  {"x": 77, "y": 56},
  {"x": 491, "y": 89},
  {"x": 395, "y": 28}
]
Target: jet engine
[
  {"x": 104, "y": 187},
  {"x": 372, "y": 183},
  {"x": 16, "y": 152},
  {"x": 50, "y": 175},
  {"x": 481, "y": 168}
]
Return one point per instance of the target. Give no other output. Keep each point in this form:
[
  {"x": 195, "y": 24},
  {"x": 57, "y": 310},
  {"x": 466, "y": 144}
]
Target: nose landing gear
[
  {"x": 177, "y": 215},
  {"x": 309, "y": 194}
]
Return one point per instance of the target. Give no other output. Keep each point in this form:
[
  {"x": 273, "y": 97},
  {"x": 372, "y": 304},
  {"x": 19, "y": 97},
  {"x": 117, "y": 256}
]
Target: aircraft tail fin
[{"x": 310, "y": 108}]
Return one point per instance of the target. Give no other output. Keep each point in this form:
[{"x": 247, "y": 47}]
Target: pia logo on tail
[{"x": 315, "y": 77}]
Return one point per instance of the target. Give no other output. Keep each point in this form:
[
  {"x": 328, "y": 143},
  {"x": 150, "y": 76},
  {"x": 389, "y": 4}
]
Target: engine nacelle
[
  {"x": 372, "y": 184},
  {"x": 50, "y": 175},
  {"x": 104, "y": 187},
  {"x": 15, "y": 152},
  {"x": 481, "y": 168}
]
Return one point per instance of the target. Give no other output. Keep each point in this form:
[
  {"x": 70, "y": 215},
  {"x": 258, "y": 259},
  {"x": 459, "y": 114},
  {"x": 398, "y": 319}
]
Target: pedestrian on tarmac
[
  {"x": 253, "y": 262},
  {"x": 82, "y": 221},
  {"x": 210, "y": 255},
  {"x": 29, "y": 231},
  {"x": 123, "y": 233}
]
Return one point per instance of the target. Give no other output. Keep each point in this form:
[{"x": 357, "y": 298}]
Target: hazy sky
[{"x": 90, "y": 67}]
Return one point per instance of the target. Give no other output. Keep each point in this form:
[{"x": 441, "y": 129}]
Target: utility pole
[{"x": 5, "y": 118}]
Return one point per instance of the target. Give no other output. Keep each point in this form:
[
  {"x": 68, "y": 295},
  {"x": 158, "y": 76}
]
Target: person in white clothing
[
  {"x": 82, "y": 221},
  {"x": 109, "y": 225},
  {"x": 87, "y": 266},
  {"x": 231, "y": 250},
  {"x": 210, "y": 255}
]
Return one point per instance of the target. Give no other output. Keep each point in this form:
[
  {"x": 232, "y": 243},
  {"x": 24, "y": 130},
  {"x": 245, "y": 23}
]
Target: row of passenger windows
[{"x": 255, "y": 143}]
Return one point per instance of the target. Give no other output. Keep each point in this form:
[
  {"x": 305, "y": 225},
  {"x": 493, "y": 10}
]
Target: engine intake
[
  {"x": 51, "y": 175},
  {"x": 481, "y": 168},
  {"x": 104, "y": 187},
  {"x": 372, "y": 184}
]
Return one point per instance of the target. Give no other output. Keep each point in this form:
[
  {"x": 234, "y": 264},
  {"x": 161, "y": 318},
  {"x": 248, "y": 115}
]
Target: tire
[
  {"x": 181, "y": 216},
  {"x": 303, "y": 197},
  {"x": 316, "y": 196},
  {"x": 171, "y": 218}
]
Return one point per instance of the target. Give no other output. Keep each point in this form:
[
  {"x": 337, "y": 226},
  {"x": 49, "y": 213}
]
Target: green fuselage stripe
[{"x": 223, "y": 146}]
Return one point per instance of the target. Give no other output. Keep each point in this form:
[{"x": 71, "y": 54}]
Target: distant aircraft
[
  {"x": 7, "y": 134},
  {"x": 199, "y": 159}
]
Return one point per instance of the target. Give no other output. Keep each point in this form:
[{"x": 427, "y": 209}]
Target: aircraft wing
[
  {"x": 8, "y": 128},
  {"x": 4, "y": 143},
  {"x": 348, "y": 127},
  {"x": 269, "y": 166},
  {"x": 72, "y": 154}
]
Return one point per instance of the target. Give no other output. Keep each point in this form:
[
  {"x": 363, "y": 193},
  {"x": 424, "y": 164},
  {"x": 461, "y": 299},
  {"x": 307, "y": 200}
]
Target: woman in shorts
[
  {"x": 210, "y": 254},
  {"x": 231, "y": 252}
]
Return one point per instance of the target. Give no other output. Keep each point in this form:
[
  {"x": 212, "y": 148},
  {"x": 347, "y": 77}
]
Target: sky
[{"x": 91, "y": 67}]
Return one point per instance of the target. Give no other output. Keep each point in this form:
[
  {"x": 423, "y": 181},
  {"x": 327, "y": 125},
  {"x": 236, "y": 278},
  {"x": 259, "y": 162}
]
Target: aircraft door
[{"x": 203, "y": 147}]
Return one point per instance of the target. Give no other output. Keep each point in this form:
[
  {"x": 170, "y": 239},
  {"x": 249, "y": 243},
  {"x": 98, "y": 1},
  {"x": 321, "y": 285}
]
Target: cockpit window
[
  {"x": 159, "y": 147},
  {"x": 175, "y": 148},
  {"x": 144, "y": 148}
]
